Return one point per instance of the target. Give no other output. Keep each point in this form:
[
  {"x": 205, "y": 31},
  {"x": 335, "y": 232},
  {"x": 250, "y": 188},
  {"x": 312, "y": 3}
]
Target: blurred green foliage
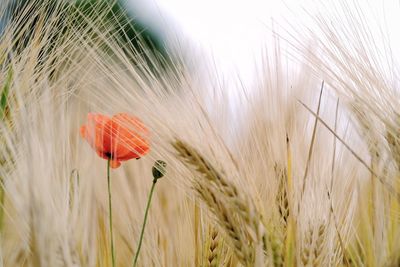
[
  {"x": 110, "y": 15},
  {"x": 4, "y": 94}
]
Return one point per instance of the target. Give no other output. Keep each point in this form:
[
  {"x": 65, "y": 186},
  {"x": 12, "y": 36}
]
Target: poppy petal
[
  {"x": 115, "y": 164},
  {"x": 119, "y": 138},
  {"x": 129, "y": 137},
  {"x": 96, "y": 132},
  {"x": 83, "y": 131},
  {"x": 134, "y": 154}
]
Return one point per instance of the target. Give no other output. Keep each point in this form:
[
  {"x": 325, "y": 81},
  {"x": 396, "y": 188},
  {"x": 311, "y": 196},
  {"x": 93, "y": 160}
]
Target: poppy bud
[{"x": 159, "y": 169}]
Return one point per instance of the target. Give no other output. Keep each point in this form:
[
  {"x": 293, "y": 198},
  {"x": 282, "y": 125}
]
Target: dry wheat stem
[
  {"x": 310, "y": 150},
  {"x": 388, "y": 186}
]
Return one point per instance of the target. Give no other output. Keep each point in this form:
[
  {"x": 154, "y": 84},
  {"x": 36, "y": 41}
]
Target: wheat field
[{"x": 302, "y": 169}]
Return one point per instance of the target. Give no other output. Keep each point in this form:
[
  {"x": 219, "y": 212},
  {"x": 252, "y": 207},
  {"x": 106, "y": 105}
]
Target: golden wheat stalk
[
  {"x": 223, "y": 198},
  {"x": 214, "y": 248}
]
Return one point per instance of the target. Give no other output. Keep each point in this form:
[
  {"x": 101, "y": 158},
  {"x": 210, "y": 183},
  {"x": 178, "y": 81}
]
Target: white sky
[{"x": 234, "y": 31}]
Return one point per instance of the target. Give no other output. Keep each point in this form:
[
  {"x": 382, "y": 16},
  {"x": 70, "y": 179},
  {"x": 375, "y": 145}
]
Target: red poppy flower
[{"x": 122, "y": 137}]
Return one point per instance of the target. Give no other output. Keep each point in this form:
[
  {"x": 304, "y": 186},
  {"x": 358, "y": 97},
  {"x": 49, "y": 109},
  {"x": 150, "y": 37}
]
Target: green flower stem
[
  {"x": 110, "y": 213},
  {"x": 144, "y": 222}
]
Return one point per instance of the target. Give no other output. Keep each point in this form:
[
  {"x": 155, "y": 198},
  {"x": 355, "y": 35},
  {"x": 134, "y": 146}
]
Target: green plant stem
[
  {"x": 110, "y": 213},
  {"x": 144, "y": 222}
]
